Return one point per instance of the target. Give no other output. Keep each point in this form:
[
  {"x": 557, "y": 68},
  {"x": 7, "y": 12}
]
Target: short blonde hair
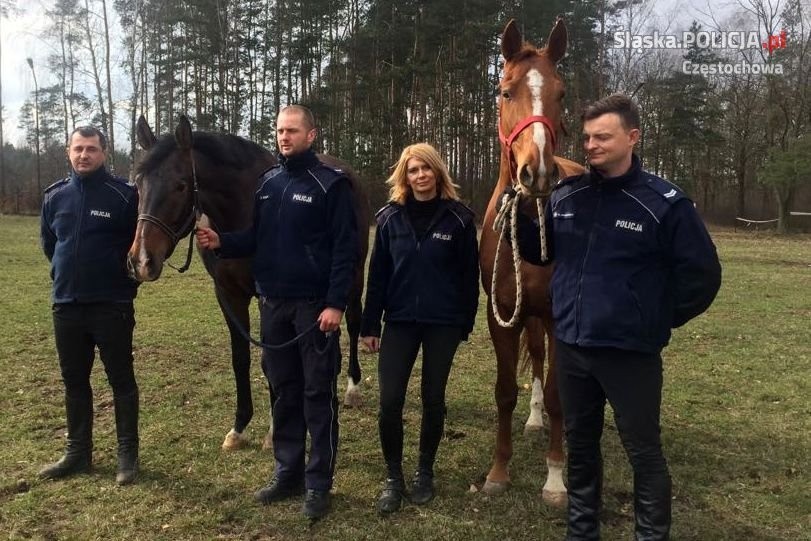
[{"x": 399, "y": 189}]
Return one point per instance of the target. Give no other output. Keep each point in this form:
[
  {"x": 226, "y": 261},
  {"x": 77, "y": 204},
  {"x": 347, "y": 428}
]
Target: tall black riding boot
[
  {"x": 585, "y": 480},
  {"x": 79, "y": 448},
  {"x": 126, "y": 425},
  {"x": 652, "y": 506}
]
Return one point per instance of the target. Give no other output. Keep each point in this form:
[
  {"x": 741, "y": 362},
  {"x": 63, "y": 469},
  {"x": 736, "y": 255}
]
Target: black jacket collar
[
  {"x": 299, "y": 162},
  {"x": 621, "y": 180},
  {"x": 97, "y": 176}
]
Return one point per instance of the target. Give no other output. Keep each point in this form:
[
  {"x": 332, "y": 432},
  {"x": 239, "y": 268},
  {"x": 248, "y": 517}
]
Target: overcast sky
[{"x": 21, "y": 38}]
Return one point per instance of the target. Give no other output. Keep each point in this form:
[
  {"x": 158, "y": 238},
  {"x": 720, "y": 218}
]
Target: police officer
[
  {"x": 632, "y": 261},
  {"x": 424, "y": 274},
  {"x": 87, "y": 226},
  {"x": 304, "y": 240}
]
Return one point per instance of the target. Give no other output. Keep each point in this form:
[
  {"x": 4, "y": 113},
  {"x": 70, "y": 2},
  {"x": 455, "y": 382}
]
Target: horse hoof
[
  {"x": 558, "y": 500},
  {"x": 267, "y": 443},
  {"x": 353, "y": 398},
  {"x": 492, "y": 488},
  {"x": 234, "y": 440},
  {"x": 532, "y": 428}
]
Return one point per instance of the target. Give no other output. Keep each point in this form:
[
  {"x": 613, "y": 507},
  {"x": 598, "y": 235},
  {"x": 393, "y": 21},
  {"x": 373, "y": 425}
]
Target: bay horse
[
  {"x": 227, "y": 170},
  {"x": 530, "y": 107}
]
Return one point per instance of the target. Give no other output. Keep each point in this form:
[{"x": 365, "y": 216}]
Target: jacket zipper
[
  {"x": 579, "y": 301},
  {"x": 434, "y": 220},
  {"x": 281, "y": 200},
  {"x": 417, "y": 244},
  {"x": 76, "y": 240}
]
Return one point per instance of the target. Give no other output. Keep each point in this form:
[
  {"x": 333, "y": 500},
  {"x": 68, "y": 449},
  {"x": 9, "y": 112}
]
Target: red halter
[{"x": 521, "y": 126}]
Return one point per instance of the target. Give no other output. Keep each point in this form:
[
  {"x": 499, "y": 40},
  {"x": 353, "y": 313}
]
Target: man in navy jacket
[
  {"x": 632, "y": 260},
  {"x": 87, "y": 226},
  {"x": 304, "y": 240}
]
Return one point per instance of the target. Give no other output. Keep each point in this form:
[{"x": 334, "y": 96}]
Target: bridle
[
  {"x": 506, "y": 219},
  {"x": 175, "y": 236},
  {"x": 508, "y": 141}
]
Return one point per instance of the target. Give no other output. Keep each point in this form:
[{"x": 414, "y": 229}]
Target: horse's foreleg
[
  {"x": 534, "y": 336},
  {"x": 353, "y": 398},
  {"x": 241, "y": 364},
  {"x": 554, "y": 490},
  {"x": 505, "y": 342}
]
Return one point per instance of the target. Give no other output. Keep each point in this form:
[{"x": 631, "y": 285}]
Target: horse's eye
[
  {"x": 505, "y": 94},
  {"x": 180, "y": 187}
]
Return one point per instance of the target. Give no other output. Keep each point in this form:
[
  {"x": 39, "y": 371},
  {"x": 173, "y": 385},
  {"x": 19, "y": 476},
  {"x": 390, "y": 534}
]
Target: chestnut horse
[
  {"x": 529, "y": 121},
  {"x": 225, "y": 170}
]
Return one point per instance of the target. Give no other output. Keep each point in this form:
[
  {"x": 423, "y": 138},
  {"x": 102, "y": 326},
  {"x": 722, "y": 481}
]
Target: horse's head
[
  {"x": 530, "y": 108},
  {"x": 165, "y": 181}
]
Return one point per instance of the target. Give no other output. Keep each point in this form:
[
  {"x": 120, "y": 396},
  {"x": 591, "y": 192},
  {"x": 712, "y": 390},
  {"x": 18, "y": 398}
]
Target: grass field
[{"x": 736, "y": 423}]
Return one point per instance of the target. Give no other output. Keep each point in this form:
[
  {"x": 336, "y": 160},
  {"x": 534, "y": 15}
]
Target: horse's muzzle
[{"x": 143, "y": 269}]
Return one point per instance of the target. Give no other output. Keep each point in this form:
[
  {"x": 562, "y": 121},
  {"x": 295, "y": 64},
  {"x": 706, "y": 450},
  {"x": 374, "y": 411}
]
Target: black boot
[
  {"x": 422, "y": 487},
  {"x": 391, "y": 497},
  {"x": 431, "y": 429},
  {"x": 316, "y": 504},
  {"x": 584, "y": 486},
  {"x": 652, "y": 506},
  {"x": 390, "y": 425},
  {"x": 126, "y": 426},
  {"x": 79, "y": 448}
]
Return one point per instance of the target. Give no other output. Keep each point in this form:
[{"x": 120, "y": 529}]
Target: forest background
[{"x": 380, "y": 74}]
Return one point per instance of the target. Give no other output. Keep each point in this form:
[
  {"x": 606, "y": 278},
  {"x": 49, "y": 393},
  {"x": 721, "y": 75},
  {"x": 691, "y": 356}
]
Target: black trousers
[
  {"x": 399, "y": 346},
  {"x": 632, "y": 383},
  {"x": 303, "y": 377},
  {"x": 79, "y": 329}
]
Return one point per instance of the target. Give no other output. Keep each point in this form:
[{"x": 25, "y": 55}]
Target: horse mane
[{"x": 223, "y": 150}]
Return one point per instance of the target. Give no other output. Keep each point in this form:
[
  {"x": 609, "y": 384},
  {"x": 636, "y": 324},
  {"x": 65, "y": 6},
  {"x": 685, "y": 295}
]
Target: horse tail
[{"x": 532, "y": 349}]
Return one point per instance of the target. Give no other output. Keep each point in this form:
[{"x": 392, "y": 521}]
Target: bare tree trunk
[
  {"x": 64, "y": 76},
  {"x": 277, "y": 61},
  {"x": 71, "y": 81},
  {"x": 110, "y": 108},
  {"x": 96, "y": 78},
  {"x": 143, "y": 76},
  {"x": 783, "y": 201},
  {"x": 135, "y": 79},
  {"x": 169, "y": 74}
]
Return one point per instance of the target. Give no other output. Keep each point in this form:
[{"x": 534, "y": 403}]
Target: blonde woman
[{"x": 424, "y": 282}]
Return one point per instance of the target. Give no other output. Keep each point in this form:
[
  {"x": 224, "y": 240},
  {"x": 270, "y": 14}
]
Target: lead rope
[
  {"x": 508, "y": 216},
  {"x": 542, "y": 228}
]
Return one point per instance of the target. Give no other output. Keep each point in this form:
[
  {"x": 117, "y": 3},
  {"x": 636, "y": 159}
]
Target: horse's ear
[
  {"x": 556, "y": 44},
  {"x": 511, "y": 40},
  {"x": 183, "y": 134},
  {"x": 144, "y": 134}
]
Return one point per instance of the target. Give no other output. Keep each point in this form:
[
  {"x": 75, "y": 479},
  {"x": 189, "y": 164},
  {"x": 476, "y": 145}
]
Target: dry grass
[{"x": 735, "y": 423}]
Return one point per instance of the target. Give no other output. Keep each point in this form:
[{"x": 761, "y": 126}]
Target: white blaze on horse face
[{"x": 535, "y": 83}]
